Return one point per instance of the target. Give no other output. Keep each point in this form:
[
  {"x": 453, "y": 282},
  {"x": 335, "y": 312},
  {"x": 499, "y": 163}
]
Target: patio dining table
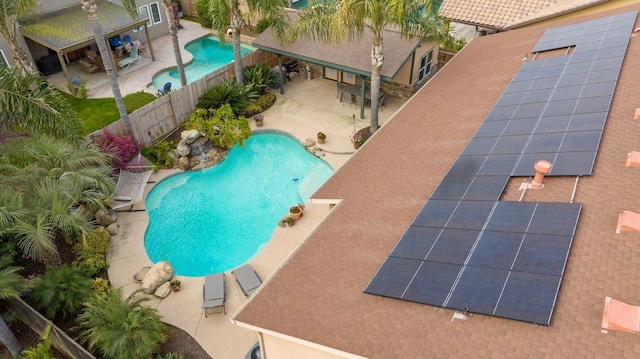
[{"x": 354, "y": 93}]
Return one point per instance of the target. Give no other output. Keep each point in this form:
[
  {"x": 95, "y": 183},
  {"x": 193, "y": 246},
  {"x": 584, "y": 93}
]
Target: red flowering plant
[{"x": 123, "y": 148}]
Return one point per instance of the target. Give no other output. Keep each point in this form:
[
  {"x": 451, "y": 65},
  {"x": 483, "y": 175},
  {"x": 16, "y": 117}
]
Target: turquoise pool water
[
  {"x": 208, "y": 56},
  {"x": 214, "y": 220}
]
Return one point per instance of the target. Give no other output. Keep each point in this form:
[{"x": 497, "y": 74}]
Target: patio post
[
  {"x": 67, "y": 74},
  {"x": 280, "y": 70},
  {"x": 146, "y": 32},
  {"x": 363, "y": 89}
]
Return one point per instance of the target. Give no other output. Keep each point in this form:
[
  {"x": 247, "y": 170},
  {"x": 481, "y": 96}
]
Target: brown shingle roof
[
  {"x": 505, "y": 14},
  {"x": 317, "y": 296},
  {"x": 354, "y": 55}
]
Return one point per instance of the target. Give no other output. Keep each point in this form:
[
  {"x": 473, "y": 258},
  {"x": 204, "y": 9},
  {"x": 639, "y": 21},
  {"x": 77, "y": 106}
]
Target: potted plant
[
  {"x": 321, "y": 137},
  {"x": 290, "y": 221},
  {"x": 259, "y": 118},
  {"x": 295, "y": 212},
  {"x": 175, "y": 285}
]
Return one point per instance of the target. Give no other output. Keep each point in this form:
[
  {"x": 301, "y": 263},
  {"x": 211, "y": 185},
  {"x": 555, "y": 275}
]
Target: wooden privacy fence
[
  {"x": 38, "y": 323},
  {"x": 158, "y": 118}
]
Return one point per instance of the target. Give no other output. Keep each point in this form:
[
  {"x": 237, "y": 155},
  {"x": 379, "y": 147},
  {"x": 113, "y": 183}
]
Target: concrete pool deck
[{"x": 307, "y": 107}]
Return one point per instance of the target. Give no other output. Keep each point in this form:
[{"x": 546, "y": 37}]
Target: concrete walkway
[{"x": 307, "y": 107}]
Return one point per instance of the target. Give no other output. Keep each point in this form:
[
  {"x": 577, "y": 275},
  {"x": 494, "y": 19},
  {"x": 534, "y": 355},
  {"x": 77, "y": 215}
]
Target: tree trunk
[
  {"x": 20, "y": 58},
  {"x": 90, "y": 7},
  {"x": 173, "y": 31},
  {"x": 9, "y": 340},
  {"x": 236, "y": 25},
  {"x": 377, "y": 59}
]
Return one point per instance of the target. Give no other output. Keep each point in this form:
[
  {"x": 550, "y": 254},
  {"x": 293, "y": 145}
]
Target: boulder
[
  {"x": 163, "y": 290},
  {"x": 183, "y": 150},
  {"x": 309, "y": 142},
  {"x": 184, "y": 164},
  {"x": 105, "y": 218},
  {"x": 189, "y": 136},
  {"x": 113, "y": 229},
  {"x": 140, "y": 275},
  {"x": 159, "y": 273}
]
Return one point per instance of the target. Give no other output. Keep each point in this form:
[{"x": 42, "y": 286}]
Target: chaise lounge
[
  {"x": 247, "y": 279},
  {"x": 213, "y": 294},
  {"x": 133, "y": 57}
]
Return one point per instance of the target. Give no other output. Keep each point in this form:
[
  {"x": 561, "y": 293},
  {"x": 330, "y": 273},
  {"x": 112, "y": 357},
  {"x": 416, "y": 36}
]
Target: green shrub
[
  {"x": 259, "y": 77},
  {"x": 61, "y": 290},
  {"x": 8, "y": 248},
  {"x": 160, "y": 153},
  {"x": 202, "y": 7},
  {"x": 136, "y": 100},
  {"x": 252, "y": 109},
  {"x": 220, "y": 125},
  {"x": 42, "y": 350},
  {"x": 262, "y": 25},
  {"x": 101, "y": 287},
  {"x": 267, "y": 100},
  {"x": 228, "y": 92},
  {"x": 91, "y": 254}
]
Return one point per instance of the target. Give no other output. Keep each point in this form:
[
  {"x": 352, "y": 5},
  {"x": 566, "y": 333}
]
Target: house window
[
  {"x": 144, "y": 12},
  {"x": 3, "y": 60},
  {"x": 425, "y": 65},
  {"x": 155, "y": 13}
]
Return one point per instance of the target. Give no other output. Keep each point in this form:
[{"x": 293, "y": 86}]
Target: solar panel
[{"x": 467, "y": 249}]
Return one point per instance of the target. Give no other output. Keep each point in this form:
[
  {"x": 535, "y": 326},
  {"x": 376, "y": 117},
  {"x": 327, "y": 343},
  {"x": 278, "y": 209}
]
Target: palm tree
[
  {"x": 121, "y": 328},
  {"x": 173, "y": 31},
  {"x": 10, "y": 284},
  {"x": 10, "y": 10},
  {"x": 28, "y": 103},
  {"x": 54, "y": 188},
  {"x": 61, "y": 290},
  {"x": 90, "y": 7},
  {"x": 226, "y": 15},
  {"x": 336, "y": 21}
]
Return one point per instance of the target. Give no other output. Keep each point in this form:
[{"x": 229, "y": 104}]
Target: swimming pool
[
  {"x": 214, "y": 220},
  {"x": 208, "y": 56}
]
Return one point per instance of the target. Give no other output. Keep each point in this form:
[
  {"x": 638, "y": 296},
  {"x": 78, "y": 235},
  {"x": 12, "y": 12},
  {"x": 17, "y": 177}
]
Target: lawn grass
[
  {"x": 96, "y": 113},
  {"x": 93, "y": 113}
]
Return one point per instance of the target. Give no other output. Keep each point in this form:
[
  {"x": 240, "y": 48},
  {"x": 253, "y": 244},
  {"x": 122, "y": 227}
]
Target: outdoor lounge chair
[
  {"x": 247, "y": 279},
  {"x": 133, "y": 57},
  {"x": 213, "y": 293},
  {"x": 131, "y": 183},
  {"x": 88, "y": 67}
]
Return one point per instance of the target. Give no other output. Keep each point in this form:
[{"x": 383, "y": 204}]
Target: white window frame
[
  {"x": 151, "y": 14},
  {"x": 144, "y": 11},
  {"x": 426, "y": 65},
  {"x": 4, "y": 58}
]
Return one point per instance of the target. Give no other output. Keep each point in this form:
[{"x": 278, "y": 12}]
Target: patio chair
[
  {"x": 213, "y": 294},
  {"x": 247, "y": 279},
  {"x": 88, "y": 67},
  {"x": 165, "y": 89},
  {"x": 133, "y": 57}
]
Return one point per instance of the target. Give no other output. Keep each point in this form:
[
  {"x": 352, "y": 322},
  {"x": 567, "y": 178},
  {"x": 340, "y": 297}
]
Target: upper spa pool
[
  {"x": 214, "y": 220},
  {"x": 208, "y": 56}
]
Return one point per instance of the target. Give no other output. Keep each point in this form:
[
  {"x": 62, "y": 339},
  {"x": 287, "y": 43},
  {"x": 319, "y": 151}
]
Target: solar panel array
[{"x": 467, "y": 250}]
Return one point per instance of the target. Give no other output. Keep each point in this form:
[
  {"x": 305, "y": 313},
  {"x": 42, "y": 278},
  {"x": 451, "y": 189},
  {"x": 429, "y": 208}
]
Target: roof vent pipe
[{"x": 542, "y": 168}]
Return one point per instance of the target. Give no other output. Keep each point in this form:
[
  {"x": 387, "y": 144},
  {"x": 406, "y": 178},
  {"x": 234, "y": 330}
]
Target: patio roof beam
[{"x": 321, "y": 63}]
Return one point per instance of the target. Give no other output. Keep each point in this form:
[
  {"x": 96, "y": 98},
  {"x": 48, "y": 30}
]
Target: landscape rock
[
  {"x": 309, "y": 142},
  {"x": 183, "y": 150},
  {"x": 113, "y": 229},
  {"x": 189, "y": 136},
  {"x": 163, "y": 290},
  {"x": 183, "y": 163},
  {"x": 140, "y": 275},
  {"x": 158, "y": 274},
  {"x": 104, "y": 218}
]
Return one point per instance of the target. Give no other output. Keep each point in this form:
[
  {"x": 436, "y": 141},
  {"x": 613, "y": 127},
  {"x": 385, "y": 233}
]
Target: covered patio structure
[
  {"x": 345, "y": 62},
  {"x": 67, "y": 30}
]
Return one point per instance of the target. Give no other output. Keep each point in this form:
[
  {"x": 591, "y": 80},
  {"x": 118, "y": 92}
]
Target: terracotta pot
[
  {"x": 175, "y": 289},
  {"x": 320, "y": 140},
  {"x": 259, "y": 123},
  {"x": 295, "y": 215}
]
